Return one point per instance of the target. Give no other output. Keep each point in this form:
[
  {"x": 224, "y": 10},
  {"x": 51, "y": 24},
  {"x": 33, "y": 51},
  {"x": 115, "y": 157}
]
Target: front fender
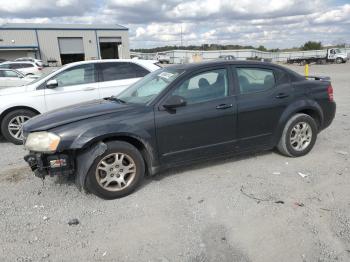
[
  {"x": 294, "y": 108},
  {"x": 82, "y": 135}
]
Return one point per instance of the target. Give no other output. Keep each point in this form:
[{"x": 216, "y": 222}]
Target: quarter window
[
  {"x": 78, "y": 75},
  {"x": 204, "y": 87},
  {"x": 119, "y": 71},
  {"x": 255, "y": 79}
]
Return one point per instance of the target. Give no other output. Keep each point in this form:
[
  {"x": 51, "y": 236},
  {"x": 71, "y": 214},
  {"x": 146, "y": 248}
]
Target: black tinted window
[
  {"x": 206, "y": 86},
  {"x": 139, "y": 70},
  {"x": 26, "y": 65},
  {"x": 119, "y": 71},
  {"x": 15, "y": 66},
  {"x": 255, "y": 79},
  {"x": 282, "y": 77}
]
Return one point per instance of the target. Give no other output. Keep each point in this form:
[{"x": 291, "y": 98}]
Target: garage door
[
  {"x": 110, "y": 40},
  {"x": 71, "y": 45}
]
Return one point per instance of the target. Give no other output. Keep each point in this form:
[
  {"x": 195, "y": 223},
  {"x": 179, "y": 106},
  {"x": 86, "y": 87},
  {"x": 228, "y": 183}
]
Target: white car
[
  {"x": 12, "y": 77},
  {"x": 30, "y": 59},
  {"x": 27, "y": 68},
  {"x": 73, "y": 83}
]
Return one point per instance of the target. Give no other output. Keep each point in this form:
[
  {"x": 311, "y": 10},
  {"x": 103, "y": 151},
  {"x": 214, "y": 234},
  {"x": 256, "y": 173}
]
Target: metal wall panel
[
  {"x": 17, "y": 38},
  {"x": 49, "y": 43},
  {"x": 71, "y": 45}
]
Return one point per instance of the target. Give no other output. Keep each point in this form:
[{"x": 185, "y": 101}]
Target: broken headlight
[{"x": 44, "y": 142}]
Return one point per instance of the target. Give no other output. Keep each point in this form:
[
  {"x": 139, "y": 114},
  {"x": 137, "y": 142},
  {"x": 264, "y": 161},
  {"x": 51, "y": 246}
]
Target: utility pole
[{"x": 181, "y": 35}]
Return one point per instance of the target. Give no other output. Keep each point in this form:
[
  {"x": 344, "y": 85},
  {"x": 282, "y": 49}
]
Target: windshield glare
[{"x": 145, "y": 90}]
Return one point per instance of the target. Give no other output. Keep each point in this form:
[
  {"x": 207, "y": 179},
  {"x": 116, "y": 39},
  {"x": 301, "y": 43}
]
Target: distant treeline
[{"x": 309, "y": 45}]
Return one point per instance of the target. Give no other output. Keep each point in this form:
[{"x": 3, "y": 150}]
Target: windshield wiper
[{"x": 114, "y": 98}]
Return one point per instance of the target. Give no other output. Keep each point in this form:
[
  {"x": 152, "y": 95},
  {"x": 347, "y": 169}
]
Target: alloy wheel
[
  {"x": 301, "y": 136},
  {"x": 115, "y": 171},
  {"x": 15, "y": 126}
]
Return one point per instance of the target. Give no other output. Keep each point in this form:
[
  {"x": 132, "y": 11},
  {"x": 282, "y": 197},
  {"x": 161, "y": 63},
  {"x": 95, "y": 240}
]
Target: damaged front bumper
[{"x": 50, "y": 164}]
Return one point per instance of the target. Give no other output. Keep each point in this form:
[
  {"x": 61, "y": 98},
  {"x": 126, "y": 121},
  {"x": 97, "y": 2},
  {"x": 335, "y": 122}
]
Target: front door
[
  {"x": 205, "y": 125},
  {"x": 75, "y": 85},
  {"x": 264, "y": 93}
]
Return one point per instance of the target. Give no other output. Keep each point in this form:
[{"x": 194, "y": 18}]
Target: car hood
[
  {"x": 13, "y": 90},
  {"x": 67, "y": 115}
]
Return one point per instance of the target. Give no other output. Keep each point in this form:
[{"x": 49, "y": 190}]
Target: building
[{"x": 63, "y": 43}]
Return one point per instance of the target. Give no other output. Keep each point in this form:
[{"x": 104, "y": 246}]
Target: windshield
[
  {"x": 43, "y": 75},
  {"x": 145, "y": 90}
]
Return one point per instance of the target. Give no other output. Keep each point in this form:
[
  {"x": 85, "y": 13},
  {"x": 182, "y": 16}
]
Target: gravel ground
[{"x": 199, "y": 213}]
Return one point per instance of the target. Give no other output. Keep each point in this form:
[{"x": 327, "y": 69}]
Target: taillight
[{"x": 330, "y": 93}]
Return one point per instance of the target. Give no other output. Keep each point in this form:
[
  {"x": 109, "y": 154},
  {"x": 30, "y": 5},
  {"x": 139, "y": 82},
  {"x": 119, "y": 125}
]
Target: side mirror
[
  {"x": 52, "y": 83},
  {"x": 174, "y": 102}
]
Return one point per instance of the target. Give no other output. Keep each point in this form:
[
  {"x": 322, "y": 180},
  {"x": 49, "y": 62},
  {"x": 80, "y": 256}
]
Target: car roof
[
  {"x": 137, "y": 61},
  {"x": 18, "y": 62},
  {"x": 204, "y": 64}
]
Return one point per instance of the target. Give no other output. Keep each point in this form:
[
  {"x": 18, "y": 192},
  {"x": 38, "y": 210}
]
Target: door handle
[
  {"x": 224, "y": 106},
  {"x": 282, "y": 95},
  {"x": 90, "y": 88}
]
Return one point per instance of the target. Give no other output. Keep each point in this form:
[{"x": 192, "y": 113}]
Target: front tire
[
  {"x": 117, "y": 172},
  {"x": 299, "y": 136},
  {"x": 11, "y": 125},
  {"x": 339, "y": 60}
]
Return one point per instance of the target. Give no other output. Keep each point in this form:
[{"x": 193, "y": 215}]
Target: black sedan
[{"x": 177, "y": 115}]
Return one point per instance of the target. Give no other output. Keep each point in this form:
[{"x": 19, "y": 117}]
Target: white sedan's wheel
[{"x": 12, "y": 124}]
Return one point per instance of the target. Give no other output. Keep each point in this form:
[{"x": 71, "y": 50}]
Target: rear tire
[
  {"x": 117, "y": 172},
  {"x": 11, "y": 125},
  {"x": 299, "y": 136}
]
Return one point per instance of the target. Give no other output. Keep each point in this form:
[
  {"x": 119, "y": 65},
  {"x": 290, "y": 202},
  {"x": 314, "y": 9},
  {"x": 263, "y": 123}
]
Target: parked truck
[{"x": 332, "y": 55}]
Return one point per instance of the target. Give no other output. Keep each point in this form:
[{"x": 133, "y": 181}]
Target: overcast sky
[{"x": 273, "y": 23}]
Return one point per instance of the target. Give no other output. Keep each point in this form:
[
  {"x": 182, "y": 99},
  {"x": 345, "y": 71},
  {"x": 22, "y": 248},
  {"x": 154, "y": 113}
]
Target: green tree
[
  {"x": 262, "y": 48},
  {"x": 311, "y": 45}
]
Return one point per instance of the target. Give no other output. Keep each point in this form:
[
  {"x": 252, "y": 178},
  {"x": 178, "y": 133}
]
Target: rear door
[
  {"x": 114, "y": 77},
  {"x": 75, "y": 85},
  {"x": 264, "y": 93},
  {"x": 206, "y": 125}
]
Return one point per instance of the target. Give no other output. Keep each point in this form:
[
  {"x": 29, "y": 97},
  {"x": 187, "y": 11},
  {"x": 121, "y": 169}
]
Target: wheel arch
[
  {"x": 5, "y": 112},
  {"x": 147, "y": 151},
  {"x": 307, "y": 107}
]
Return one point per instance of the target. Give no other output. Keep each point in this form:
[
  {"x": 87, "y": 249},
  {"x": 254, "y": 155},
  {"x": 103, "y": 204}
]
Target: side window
[
  {"x": 117, "y": 71},
  {"x": 15, "y": 66},
  {"x": 5, "y": 66},
  {"x": 26, "y": 65},
  {"x": 78, "y": 75},
  {"x": 255, "y": 79},
  {"x": 281, "y": 77},
  {"x": 139, "y": 70},
  {"x": 203, "y": 87},
  {"x": 9, "y": 73}
]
